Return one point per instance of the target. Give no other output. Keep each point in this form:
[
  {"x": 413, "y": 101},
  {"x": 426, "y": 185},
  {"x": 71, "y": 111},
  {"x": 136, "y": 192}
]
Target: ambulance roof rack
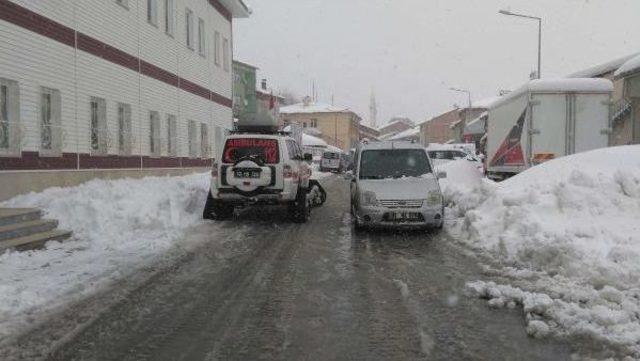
[{"x": 259, "y": 130}]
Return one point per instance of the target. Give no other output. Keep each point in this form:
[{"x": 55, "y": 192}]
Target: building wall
[
  {"x": 338, "y": 129},
  {"x": 438, "y": 129},
  {"x": 98, "y": 48}
]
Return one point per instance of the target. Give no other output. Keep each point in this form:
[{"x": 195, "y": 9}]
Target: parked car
[
  {"x": 442, "y": 156},
  {"x": 256, "y": 169},
  {"x": 394, "y": 185},
  {"x": 332, "y": 160}
]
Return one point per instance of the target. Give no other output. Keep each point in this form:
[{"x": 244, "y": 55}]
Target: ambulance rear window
[{"x": 239, "y": 148}]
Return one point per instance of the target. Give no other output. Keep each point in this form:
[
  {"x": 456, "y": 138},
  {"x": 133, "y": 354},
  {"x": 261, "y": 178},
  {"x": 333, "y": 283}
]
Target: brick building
[
  {"x": 94, "y": 87},
  {"x": 439, "y": 129}
]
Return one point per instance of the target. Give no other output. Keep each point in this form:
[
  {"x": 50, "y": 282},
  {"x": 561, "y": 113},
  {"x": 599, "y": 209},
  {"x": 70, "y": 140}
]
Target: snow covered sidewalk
[
  {"x": 119, "y": 226},
  {"x": 565, "y": 238}
]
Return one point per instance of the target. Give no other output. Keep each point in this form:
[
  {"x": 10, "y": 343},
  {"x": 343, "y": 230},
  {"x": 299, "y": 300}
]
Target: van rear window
[{"x": 236, "y": 149}]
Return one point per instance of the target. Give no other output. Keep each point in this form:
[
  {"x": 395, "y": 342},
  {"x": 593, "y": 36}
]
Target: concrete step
[
  {"x": 18, "y": 215},
  {"x": 27, "y": 228},
  {"x": 33, "y": 241}
]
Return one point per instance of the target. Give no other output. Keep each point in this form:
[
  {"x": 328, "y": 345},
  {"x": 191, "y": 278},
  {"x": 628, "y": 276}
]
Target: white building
[{"x": 94, "y": 87}]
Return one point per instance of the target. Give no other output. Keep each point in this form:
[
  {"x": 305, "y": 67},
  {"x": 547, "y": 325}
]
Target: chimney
[{"x": 264, "y": 84}]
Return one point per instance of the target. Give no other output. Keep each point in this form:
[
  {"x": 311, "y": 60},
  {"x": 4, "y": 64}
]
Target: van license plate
[
  {"x": 403, "y": 216},
  {"x": 252, "y": 174}
]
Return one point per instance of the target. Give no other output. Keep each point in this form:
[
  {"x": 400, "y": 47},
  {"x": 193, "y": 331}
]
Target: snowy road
[{"x": 263, "y": 288}]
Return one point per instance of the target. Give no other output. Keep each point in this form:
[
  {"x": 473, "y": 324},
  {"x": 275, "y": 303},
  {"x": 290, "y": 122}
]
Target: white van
[{"x": 394, "y": 185}]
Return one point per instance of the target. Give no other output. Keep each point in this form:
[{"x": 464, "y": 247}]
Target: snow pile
[
  {"x": 118, "y": 225},
  {"x": 464, "y": 187},
  {"x": 571, "y": 227}
]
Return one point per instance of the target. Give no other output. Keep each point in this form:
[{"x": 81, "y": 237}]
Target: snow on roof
[
  {"x": 331, "y": 148},
  {"x": 485, "y": 103},
  {"x": 311, "y": 141},
  {"x": 455, "y": 124},
  {"x": 604, "y": 68},
  {"x": 476, "y": 126},
  {"x": 313, "y": 108},
  {"x": 406, "y": 134},
  {"x": 396, "y": 120},
  {"x": 580, "y": 85},
  {"x": 629, "y": 67},
  {"x": 237, "y": 8}
]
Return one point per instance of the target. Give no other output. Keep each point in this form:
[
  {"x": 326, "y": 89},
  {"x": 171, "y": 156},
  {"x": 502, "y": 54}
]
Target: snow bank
[
  {"x": 118, "y": 225},
  {"x": 573, "y": 223},
  {"x": 464, "y": 187}
]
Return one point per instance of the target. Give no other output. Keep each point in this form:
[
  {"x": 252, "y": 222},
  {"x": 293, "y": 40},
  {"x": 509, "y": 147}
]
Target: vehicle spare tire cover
[{"x": 241, "y": 184}]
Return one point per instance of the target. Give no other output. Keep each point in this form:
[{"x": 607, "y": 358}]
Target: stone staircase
[{"x": 24, "y": 228}]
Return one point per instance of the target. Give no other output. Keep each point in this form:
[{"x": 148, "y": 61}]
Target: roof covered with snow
[
  {"x": 237, "y": 8},
  {"x": 631, "y": 66},
  {"x": 602, "y": 69},
  {"x": 485, "y": 103},
  {"x": 559, "y": 85},
  {"x": 311, "y": 141},
  {"x": 313, "y": 108},
  {"x": 409, "y": 133},
  {"x": 476, "y": 126}
]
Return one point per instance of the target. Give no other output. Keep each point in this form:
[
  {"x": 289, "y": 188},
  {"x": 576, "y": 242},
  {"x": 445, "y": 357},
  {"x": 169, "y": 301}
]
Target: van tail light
[
  {"x": 214, "y": 170},
  {"x": 287, "y": 172}
]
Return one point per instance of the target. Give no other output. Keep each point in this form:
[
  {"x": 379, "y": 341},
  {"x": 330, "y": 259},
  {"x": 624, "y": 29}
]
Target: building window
[
  {"x": 193, "y": 139},
  {"x": 172, "y": 135},
  {"x": 99, "y": 134},
  {"x": 124, "y": 129},
  {"x": 123, "y": 3},
  {"x": 225, "y": 54},
  {"x": 205, "y": 149},
  {"x": 152, "y": 12},
  {"x": 189, "y": 28},
  {"x": 154, "y": 134},
  {"x": 304, "y": 124},
  {"x": 216, "y": 48},
  {"x": 314, "y": 123},
  {"x": 202, "y": 38},
  {"x": 9, "y": 117},
  {"x": 50, "y": 123},
  {"x": 169, "y": 17}
]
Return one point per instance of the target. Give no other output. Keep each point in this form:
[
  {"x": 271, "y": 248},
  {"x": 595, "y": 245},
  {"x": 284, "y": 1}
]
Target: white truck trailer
[{"x": 547, "y": 119}]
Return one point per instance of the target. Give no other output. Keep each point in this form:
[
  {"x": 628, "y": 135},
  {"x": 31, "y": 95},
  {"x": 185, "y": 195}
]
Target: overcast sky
[{"x": 410, "y": 52}]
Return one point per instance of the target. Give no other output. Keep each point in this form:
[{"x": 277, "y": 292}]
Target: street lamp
[
  {"x": 510, "y": 13},
  {"x": 463, "y": 91}
]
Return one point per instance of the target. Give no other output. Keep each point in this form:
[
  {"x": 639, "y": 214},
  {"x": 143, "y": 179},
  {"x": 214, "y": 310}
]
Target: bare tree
[{"x": 290, "y": 97}]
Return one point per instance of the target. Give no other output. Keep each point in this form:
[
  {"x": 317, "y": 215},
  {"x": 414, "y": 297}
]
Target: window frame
[
  {"x": 11, "y": 122},
  {"x": 216, "y": 48},
  {"x": 205, "y": 148},
  {"x": 152, "y": 12},
  {"x": 192, "y": 135},
  {"x": 170, "y": 18},
  {"x": 52, "y": 124},
  {"x": 155, "y": 140},
  {"x": 202, "y": 38},
  {"x": 189, "y": 28},
  {"x": 172, "y": 135},
  {"x": 125, "y": 134},
  {"x": 100, "y": 130},
  {"x": 225, "y": 54}
]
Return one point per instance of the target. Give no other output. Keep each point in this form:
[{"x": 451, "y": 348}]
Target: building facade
[
  {"x": 438, "y": 129},
  {"x": 395, "y": 126},
  {"x": 368, "y": 133},
  {"x": 244, "y": 90},
  {"x": 621, "y": 115},
  {"x": 629, "y": 74},
  {"x": 337, "y": 126},
  {"x": 96, "y": 85}
]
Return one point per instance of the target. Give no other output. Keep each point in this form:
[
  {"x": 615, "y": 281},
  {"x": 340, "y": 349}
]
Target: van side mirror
[
  {"x": 441, "y": 175},
  {"x": 308, "y": 157}
]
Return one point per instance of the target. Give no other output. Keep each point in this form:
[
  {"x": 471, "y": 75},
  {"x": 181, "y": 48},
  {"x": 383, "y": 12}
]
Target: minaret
[{"x": 373, "y": 111}]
